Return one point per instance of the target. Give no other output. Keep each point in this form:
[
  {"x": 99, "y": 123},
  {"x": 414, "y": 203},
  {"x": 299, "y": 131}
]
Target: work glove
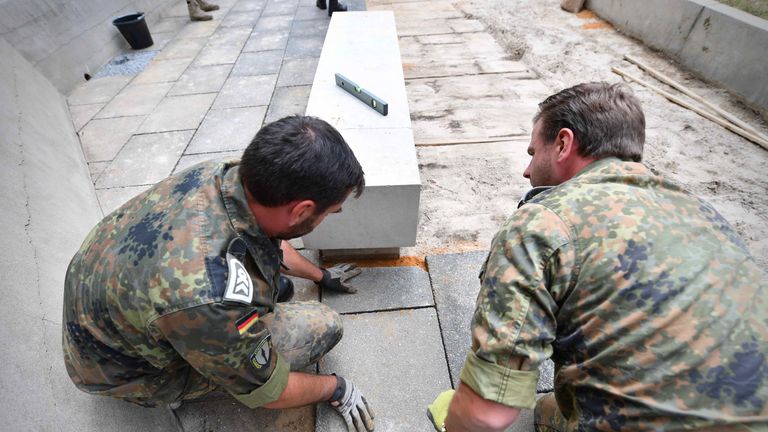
[
  {"x": 438, "y": 410},
  {"x": 336, "y": 278},
  {"x": 352, "y": 406}
]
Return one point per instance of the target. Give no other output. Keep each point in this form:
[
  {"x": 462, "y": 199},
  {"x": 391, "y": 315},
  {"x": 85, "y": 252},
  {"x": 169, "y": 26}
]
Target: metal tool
[{"x": 364, "y": 95}]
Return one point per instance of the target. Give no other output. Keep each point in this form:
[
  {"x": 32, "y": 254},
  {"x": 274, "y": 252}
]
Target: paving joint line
[{"x": 409, "y": 308}]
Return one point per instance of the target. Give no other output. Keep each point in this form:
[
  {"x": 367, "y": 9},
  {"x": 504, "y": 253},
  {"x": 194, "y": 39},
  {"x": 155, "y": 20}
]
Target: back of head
[
  {"x": 300, "y": 158},
  {"x": 606, "y": 119}
]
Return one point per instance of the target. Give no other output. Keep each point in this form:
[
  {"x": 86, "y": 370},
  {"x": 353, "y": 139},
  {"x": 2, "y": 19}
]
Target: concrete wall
[
  {"x": 66, "y": 38},
  {"x": 720, "y": 43},
  {"x": 48, "y": 206}
]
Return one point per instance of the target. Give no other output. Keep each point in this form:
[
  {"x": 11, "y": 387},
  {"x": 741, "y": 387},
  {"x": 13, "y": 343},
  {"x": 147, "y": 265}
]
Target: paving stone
[
  {"x": 201, "y": 79},
  {"x": 196, "y": 29},
  {"x": 311, "y": 27},
  {"x": 384, "y": 288},
  {"x": 288, "y": 101},
  {"x": 246, "y": 91},
  {"x": 145, "y": 159},
  {"x": 173, "y": 25},
  {"x": 233, "y": 36},
  {"x": 274, "y": 8},
  {"x": 258, "y": 63},
  {"x": 96, "y": 168},
  {"x": 524, "y": 422},
  {"x": 397, "y": 361},
  {"x": 163, "y": 71},
  {"x": 227, "y": 414},
  {"x": 266, "y": 40},
  {"x": 102, "y": 139},
  {"x": 98, "y": 90},
  {"x": 182, "y": 48},
  {"x": 159, "y": 41},
  {"x": 241, "y": 19},
  {"x": 273, "y": 23},
  {"x": 215, "y": 54},
  {"x": 135, "y": 100},
  {"x": 455, "y": 283},
  {"x": 177, "y": 10},
  {"x": 304, "y": 46},
  {"x": 178, "y": 113},
  {"x": 249, "y": 5},
  {"x": 311, "y": 12},
  {"x": 304, "y": 289},
  {"x": 111, "y": 199},
  {"x": 297, "y": 72},
  {"x": 187, "y": 161},
  {"x": 227, "y": 129},
  {"x": 82, "y": 114}
]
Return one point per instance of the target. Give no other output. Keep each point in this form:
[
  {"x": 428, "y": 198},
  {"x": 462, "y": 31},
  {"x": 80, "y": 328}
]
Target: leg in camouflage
[
  {"x": 547, "y": 415},
  {"x": 303, "y": 332}
]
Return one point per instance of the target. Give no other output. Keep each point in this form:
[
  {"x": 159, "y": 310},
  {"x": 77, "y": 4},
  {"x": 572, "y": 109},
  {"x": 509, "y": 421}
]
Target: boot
[
  {"x": 284, "y": 290},
  {"x": 321, "y": 4},
  {"x": 208, "y": 7},
  {"x": 335, "y": 6},
  {"x": 195, "y": 14}
]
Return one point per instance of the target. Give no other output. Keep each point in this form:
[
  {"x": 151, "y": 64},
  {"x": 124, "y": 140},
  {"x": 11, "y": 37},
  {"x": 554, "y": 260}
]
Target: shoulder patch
[
  {"x": 262, "y": 355},
  {"x": 239, "y": 283}
]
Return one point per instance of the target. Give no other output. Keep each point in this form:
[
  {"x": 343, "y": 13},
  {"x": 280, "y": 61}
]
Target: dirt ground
[{"x": 469, "y": 190}]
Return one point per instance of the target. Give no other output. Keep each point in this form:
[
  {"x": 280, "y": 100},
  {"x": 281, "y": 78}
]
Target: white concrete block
[{"x": 363, "y": 46}]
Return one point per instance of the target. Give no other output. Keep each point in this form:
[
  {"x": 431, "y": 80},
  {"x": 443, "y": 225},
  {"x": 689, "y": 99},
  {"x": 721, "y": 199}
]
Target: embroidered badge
[
  {"x": 239, "y": 283},
  {"x": 246, "y": 321},
  {"x": 263, "y": 353}
]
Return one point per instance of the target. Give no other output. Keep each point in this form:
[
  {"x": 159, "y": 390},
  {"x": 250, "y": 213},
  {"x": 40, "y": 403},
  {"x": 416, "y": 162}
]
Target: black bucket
[{"x": 134, "y": 29}]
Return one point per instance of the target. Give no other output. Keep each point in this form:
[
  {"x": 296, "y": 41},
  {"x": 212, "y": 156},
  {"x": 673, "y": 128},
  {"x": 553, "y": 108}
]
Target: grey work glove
[
  {"x": 337, "y": 277},
  {"x": 352, "y": 406}
]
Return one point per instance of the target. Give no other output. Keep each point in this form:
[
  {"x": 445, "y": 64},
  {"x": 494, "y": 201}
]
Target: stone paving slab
[
  {"x": 258, "y": 63},
  {"x": 304, "y": 46},
  {"x": 187, "y": 161},
  {"x": 288, "y": 101},
  {"x": 227, "y": 414},
  {"x": 111, "y": 199},
  {"x": 145, "y": 159},
  {"x": 96, "y": 168},
  {"x": 201, "y": 79},
  {"x": 217, "y": 54},
  {"x": 163, "y": 70},
  {"x": 135, "y": 100},
  {"x": 248, "y": 5},
  {"x": 273, "y": 23},
  {"x": 82, "y": 114},
  {"x": 102, "y": 139},
  {"x": 241, "y": 19},
  {"x": 100, "y": 90},
  {"x": 311, "y": 27},
  {"x": 178, "y": 113},
  {"x": 227, "y": 129},
  {"x": 297, "y": 72},
  {"x": 267, "y": 40},
  {"x": 246, "y": 91},
  {"x": 455, "y": 283},
  {"x": 275, "y": 8},
  {"x": 182, "y": 48},
  {"x": 384, "y": 288},
  {"x": 307, "y": 12},
  {"x": 306, "y": 290},
  {"x": 397, "y": 360}
]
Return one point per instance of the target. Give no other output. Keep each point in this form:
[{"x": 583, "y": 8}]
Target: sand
[{"x": 469, "y": 190}]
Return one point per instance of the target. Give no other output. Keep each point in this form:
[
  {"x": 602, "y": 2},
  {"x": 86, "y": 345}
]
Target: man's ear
[
  {"x": 301, "y": 211},
  {"x": 566, "y": 144}
]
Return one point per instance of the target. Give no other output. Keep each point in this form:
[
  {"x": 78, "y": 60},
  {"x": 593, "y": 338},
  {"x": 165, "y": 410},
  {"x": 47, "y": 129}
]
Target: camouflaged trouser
[
  {"x": 302, "y": 332},
  {"x": 547, "y": 415}
]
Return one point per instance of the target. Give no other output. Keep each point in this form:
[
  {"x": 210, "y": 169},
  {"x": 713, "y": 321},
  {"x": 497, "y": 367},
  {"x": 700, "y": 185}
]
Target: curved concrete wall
[
  {"x": 64, "y": 39},
  {"x": 718, "y": 42}
]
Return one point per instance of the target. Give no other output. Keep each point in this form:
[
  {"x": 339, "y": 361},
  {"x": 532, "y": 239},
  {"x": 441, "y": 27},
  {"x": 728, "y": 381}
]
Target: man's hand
[
  {"x": 352, "y": 406},
  {"x": 336, "y": 278},
  {"x": 438, "y": 410}
]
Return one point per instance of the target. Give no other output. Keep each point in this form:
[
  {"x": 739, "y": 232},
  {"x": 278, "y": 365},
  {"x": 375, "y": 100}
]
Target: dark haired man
[
  {"x": 646, "y": 299},
  {"x": 175, "y": 293}
]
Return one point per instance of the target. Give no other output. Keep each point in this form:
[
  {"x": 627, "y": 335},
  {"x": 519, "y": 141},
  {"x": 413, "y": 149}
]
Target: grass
[{"x": 758, "y": 8}]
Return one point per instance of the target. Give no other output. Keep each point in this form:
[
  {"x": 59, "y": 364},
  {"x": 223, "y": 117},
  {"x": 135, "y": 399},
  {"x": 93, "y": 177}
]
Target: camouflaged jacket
[
  {"x": 646, "y": 299},
  {"x": 173, "y": 281}
]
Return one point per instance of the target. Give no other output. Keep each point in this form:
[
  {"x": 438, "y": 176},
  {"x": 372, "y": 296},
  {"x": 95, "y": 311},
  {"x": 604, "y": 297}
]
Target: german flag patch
[{"x": 246, "y": 321}]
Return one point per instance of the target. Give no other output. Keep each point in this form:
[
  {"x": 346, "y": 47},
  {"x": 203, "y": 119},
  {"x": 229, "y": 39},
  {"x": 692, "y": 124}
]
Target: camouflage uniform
[
  {"x": 173, "y": 295},
  {"x": 646, "y": 299}
]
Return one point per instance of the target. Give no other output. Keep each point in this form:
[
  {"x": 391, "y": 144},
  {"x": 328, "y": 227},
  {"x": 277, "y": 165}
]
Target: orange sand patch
[
  {"x": 411, "y": 261},
  {"x": 596, "y": 25},
  {"x": 586, "y": 14}
]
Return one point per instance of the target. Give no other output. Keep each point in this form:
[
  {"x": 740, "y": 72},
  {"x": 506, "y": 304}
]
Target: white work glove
[
  {"x": 337, "y": 277},
  {"x": 352, "y": 406}
]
